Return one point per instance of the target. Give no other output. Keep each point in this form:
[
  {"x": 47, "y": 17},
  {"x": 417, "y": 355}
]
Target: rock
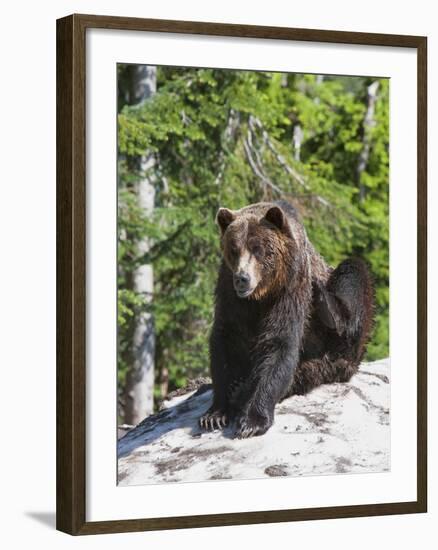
[{"x": 336, "y": 428}]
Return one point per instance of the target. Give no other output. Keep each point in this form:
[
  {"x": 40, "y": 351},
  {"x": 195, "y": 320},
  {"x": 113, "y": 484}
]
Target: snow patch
[{"x": 335, "y": 429}]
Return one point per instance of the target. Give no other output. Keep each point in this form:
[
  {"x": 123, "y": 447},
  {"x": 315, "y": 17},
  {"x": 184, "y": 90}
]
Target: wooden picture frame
[{"x": 71, "y": 273}]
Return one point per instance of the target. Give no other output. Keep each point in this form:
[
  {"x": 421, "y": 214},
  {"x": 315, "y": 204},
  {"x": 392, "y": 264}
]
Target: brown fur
[{"x": 285, "y": 321}]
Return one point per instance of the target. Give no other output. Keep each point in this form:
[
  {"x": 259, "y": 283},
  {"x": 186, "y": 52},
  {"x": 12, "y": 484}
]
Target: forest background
[{"x": 191, "y": 140}]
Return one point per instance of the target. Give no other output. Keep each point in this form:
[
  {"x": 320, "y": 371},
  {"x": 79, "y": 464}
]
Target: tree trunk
[
  {"x": 297, "y": 139},
  {"x": 139, "y": 393},
  {"x": 368, "y": 124}
]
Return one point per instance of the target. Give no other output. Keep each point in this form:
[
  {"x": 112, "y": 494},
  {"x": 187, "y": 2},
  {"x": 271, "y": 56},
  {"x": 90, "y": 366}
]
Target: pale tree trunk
[
  {"x": 139, "y": 394},
  {"x": 297, "y": 139},
  {"x": 368, "y": 124}
]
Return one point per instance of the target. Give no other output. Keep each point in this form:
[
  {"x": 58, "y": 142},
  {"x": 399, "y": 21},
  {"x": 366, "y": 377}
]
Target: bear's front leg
[
  {"x": 218, "y": 415},
  {"x": 268, "y": 383}
]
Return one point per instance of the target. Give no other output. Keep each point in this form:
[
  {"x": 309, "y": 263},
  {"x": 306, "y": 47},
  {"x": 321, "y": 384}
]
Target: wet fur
[{"x": 304, "y": 325}]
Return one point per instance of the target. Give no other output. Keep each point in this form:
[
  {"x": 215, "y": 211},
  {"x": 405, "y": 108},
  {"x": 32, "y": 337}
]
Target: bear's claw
[
  {"x": 250, "y": 427},
  {"x": 213, "y": 420}
]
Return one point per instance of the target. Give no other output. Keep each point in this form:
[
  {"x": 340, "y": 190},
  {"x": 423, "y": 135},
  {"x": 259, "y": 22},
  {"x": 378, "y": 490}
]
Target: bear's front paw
[
  {"x": 214, "y": 419},
  {"x": 251, "y": 424}
]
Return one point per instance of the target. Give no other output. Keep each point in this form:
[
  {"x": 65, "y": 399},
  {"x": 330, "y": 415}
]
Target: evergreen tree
[{"x": 229, "y": 138}]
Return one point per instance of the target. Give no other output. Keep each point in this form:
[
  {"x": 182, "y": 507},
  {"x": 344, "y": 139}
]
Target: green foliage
[{"x": 222, "y": 137}]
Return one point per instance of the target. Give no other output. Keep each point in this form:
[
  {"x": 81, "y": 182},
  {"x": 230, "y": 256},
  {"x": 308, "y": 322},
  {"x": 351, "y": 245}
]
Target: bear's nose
[{"x": 241, "y": 279}]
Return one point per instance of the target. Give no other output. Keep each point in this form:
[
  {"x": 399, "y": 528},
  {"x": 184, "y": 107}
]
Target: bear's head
[{"x": 258, "y": 248}]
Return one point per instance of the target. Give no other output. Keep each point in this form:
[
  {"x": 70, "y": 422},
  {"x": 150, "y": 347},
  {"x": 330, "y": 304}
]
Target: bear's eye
[
  {"x": 234, "y": 250},
  {"x": 256, "y": 250}
]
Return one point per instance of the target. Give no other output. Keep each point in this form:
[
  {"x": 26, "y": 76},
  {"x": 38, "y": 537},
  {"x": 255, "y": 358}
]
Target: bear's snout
[{"x": 242, "y": 281}]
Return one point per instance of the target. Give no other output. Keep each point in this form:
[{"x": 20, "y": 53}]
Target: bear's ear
[
  {"x": 276, "y": 216},
  {"x": 223, "y": 218}
]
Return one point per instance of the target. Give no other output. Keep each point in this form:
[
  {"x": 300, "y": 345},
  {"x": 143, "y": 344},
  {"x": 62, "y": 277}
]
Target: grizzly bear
[{"x": 284, "y": 321}]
